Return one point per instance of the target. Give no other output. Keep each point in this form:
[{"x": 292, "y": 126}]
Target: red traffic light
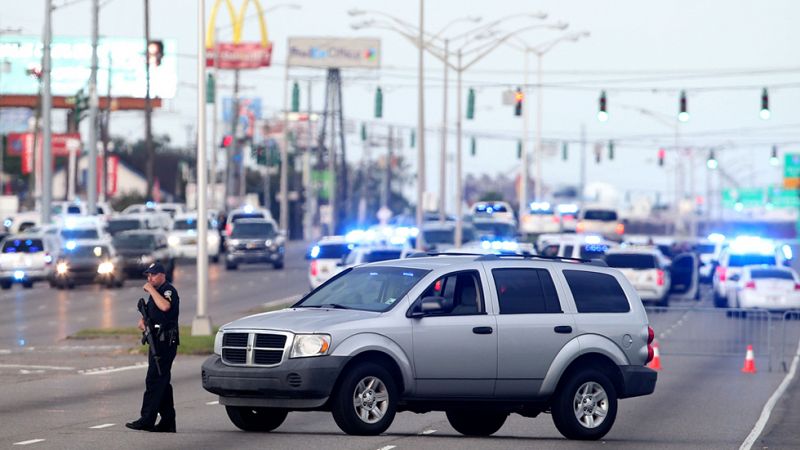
[
  {"x": 227, "y": 140},
  {"x": 661, "y": 154},
  {"x": 519, "y": 96}
]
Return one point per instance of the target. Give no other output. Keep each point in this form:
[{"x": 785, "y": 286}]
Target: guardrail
[{"x": 790, "y": 318}]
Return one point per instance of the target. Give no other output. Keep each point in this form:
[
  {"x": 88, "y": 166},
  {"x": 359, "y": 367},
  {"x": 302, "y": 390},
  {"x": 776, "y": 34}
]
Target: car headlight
[
  {"x": 268, "y": 243},
  {"x": 218, "y": 343},
  {"x": 62, "y": 268},
  {"x": 173, "y": 240},
  {"x": 306, "y": 345},
  {"x": 147, "y": 259},
  {"x": 105, "y": 268},
  {"x": 233, "y": 242}
]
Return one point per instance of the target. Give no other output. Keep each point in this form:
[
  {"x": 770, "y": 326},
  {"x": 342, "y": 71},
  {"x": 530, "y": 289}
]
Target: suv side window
[
  {"x": 462, "y": 293},
  {"x": 568, "y": 249},
  {"x": 596, "y": 292},
  {"x": 526, "y": 291}
]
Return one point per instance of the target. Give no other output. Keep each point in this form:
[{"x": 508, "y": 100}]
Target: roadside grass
[{"x": 190, "y": 345}]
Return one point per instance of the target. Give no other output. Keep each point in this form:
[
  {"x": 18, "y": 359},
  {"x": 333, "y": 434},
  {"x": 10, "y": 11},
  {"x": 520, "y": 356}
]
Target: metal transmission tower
[{"x": 332, "y": 112}]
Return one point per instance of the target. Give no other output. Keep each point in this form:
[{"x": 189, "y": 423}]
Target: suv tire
[
  {"x": 580, "y": 391},
  {"x": 5, "y": 285},
  {"x": 256, "y": 419},
  {"x": 476, "y": 423},
  {"x": 27, "y": 284},
  {"x": 373, "y": 388},
  {"x": 277, "y": 265},
  {"x": 230, "y": 266}
]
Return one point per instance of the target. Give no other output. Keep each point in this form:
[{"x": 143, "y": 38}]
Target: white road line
[
  {"x": 100, "y": 427},
  {"x": 27, "y": 367},
  {"x": 215, "y": 402},
  {"x": 425, "y": 432},
  {"x": 765, "y": 413},
  {"x": 387, "y": 447},
  {"x": 5, "y": 351},
  {"x": 32, "y": 441},
  {"x": 104, "y": 370}
]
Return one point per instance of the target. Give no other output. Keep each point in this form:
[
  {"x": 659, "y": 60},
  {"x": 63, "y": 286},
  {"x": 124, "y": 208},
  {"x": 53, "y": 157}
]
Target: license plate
[
  {"x": 191, "y": 241},
  {"x": 251, "y": 245},
  {"x": 774, "y": 299}
]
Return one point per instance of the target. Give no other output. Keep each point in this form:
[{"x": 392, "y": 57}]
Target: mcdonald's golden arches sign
[{"x": 237, "y": 54}]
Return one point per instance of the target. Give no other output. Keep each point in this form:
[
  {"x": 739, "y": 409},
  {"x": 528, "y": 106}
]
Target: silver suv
[{"x": 476, "y": 336}]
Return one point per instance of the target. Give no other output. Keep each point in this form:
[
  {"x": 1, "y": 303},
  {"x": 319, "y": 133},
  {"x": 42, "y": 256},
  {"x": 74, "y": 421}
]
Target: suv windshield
[
  {"x": 23, "y": 246},
  {"x": 115, "y": 226},
  {"x": 496, "y": 229},
  {"x": 631, "y": 261},
  {"x": 253, "y": 230},
  {"x": 748, "y": 259},
  {"x": 189, "y": 224},
  {"x": 146, "y": 242},
  {"x": 600, "y": 214},
  {"x": 88, "y": 251},
  {"x": 86, "y": 233},
  {"x": 365, "y": 288},
  {"x": 439, "y": 236}
]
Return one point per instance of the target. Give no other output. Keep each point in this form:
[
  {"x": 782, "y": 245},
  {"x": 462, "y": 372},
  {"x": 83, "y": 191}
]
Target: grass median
[{"x": 190, "y": 345}]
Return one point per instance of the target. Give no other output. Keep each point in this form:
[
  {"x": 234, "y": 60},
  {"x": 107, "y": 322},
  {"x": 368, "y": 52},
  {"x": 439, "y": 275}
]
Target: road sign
[{"x": 791, "y": 171}]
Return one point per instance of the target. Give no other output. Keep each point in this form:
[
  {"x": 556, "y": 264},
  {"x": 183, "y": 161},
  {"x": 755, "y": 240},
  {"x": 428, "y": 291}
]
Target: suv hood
[{"x": 301, "y": 320}]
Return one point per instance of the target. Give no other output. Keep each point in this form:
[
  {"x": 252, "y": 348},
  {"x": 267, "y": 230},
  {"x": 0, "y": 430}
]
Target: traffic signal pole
[
  {"x": 91, "y": 181},
  {"x": 47, "y": 106},
  {"x": 523, "y": 182},
  {"x": 443, "y": 153},
  {"x": 148, "y": 107}
]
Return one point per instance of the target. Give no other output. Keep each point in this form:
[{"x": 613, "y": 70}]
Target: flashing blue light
[
  {"x": 48, "y": 259},
  {"x": 593, "y": 239},
  {"x": 7, "y": 223},
  {"x": 397, "y": 240},
  {"x": 150, "y": 205},
  {"x": 21, "y": 342},
  {"x": 752, "y": 244},
  {"x": 716, "y": 238},
  {"x": 355, "y": 236},
  {"x": 351, "y": 246},
  {"x": 19, "y": 275},
  {"x": 540, "y": 206},
  {"x": 787, "y": 251},
  {"x": 315, "y": 252},
  {"x": 486, "y": 245},
  {"x": 71, "y": 245},
  {"x": 567, "y": 208},
  {"x": 248, "y": 208}
]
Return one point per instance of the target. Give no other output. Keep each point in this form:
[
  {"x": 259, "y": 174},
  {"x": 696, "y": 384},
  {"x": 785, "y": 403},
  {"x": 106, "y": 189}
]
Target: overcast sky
[{"x": 642, "y": 53}]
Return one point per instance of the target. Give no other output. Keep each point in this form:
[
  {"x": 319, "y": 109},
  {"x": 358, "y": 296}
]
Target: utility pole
[
  {"x": 459, "y": 196},
  {"x": 539, "y": 153},
  {"x": 582, "y": 186},
  {"x": 421, "y": 120},
  {"x": 148, "y": 107},
  {"x": 201, "y": 325},
  {"x": 284, "y": 176},
  {"x": 523, "y": 177},
  {"x": 214, "y": 137},
  {"x": 234, "y": 145},
  {"x": 386, "y": 192},
  {"x": 311, "y": 191},
  {"x": 91, "y": 182},
  {"x": 47, "y": 106},
  {"x": 106, "y": 135},
  {"x": 443, "y": 153}
]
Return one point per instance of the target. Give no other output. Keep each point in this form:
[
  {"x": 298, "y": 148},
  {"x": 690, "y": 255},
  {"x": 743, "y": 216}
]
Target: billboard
[
  {"x": 71, "y": 66},
  {"x": 237, "y": 54},
  {"x": 249, "y": 112},
  {"x": 325, "y": 52}
]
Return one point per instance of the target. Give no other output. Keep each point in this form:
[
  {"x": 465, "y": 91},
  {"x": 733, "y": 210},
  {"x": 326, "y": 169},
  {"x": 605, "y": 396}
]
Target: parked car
[
  {"x": 775, "y": 288},
  {"x": 476, "y": 337},
  {"x": 494, "y": 210},
  {"x": 254, "y": 241},
  {"x": 26, "y": 258},
  {"x": 647, "y": 270},
  {"x": 182, "y": 237},
  {"x": 88, "y": 262},
  {"x": 740, "y": 253},
  {"x": 323, "y": 258},
  {"x": 541, "y": 218}
]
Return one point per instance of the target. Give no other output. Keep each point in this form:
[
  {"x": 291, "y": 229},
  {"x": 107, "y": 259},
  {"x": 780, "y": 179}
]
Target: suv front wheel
[
  {"x": 365, "y": 402},
  {"x": 585, "y": 406},
  {"x": 256, "y": 419},
  {"x": 476, "y": 423}
]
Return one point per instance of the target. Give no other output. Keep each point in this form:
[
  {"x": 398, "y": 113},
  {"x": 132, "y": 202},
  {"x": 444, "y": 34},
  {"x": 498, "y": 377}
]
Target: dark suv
[
  {"x": 138, "y": 249},
  {"x": 87, "y": 262},
  {"x": 254, "y": 241}
]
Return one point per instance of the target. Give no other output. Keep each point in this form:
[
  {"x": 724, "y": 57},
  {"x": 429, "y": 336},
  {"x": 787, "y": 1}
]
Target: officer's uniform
[{"x": 157, "y": 397}]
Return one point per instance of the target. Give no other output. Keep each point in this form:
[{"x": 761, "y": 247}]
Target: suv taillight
[
  {"x": 228, "y": 229},
  {"x": 797, "y": 286},
  {"x": 721, "y": 273},
  {"x": 659, "y": 277},
  {"x": 620, "y": 228},
  {"x": 750, "y": 285},
  {"x": 651, "y": 335},
  {"x": 580, "y": 227},
  {"x": 314, "y": 267}
]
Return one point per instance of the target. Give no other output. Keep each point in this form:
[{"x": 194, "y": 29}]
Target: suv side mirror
[{"x": 426, "y": 306}]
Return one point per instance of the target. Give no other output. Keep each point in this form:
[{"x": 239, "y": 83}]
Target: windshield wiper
[{"x": 334, "y": 306}]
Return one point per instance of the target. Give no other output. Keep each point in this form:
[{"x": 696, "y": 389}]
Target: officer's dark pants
[{"x": 158, "y": 390}]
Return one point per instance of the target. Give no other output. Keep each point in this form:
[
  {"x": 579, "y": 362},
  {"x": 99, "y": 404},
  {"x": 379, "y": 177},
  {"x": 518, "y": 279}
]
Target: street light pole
[
  {"x": 47, "y": 104},
  {"x": 421, "y": 121},
  {"x": 539, "y": 152},
  {"x": 459, "y": 195},
  {"x": 523, "y": 182},
  {"x": 201, "y": 325},
  {"x": 443, "y": 153},
  {"x": 91, "y": 182}
]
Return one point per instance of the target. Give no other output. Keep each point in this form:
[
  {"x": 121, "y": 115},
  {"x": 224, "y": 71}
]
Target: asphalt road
[{"x": 65, "y": 394}]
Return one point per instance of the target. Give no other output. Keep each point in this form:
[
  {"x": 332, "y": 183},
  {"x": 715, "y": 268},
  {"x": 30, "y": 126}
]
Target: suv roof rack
[{"x": 593, "y": 262}]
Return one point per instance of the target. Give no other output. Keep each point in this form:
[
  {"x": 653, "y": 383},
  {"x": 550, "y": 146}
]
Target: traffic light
[
  {"x": 471, "y": 104},
  {"x": 413, "y": 138},
  {"x": 598, "y": 152},
  {"x": 519, "y": 97},
  {"x": 378, "y": 103},
  {"x": 227, "y": 141},
  {"x": 683, "y": 114},
  {"x": 602, "y": 113},
  {"x": 211, "y": 88},
  {"x": 519, "y": 149},
  {"x": 155, "y": 51},
  {"x": 661, "y": 154},
  {"x": 80, "y": 104},
  {"x": 764, "y": 105},
  {"x": 773, "y": 157},
  {"x": 610, "y": 150},
  {"x": 472, "y": 147},
  {"x": 363, "y": 132},
  {"x": 711, "y": 163},
  {"x": 564, "y": 148},
  {"x": 260, "y": 154},
  {"x": 295, "y": 97}
]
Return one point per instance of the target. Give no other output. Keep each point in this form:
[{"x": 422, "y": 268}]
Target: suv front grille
[{"x": 253, "y": 349}]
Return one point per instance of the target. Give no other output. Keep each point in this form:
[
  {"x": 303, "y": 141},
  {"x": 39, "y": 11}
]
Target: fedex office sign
[{"x": 335, "y": 52}]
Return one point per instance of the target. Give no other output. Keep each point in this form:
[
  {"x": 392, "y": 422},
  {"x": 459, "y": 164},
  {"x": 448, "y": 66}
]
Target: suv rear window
[
  {"x": 85, "y": 233},
  {"x": 600, "y": 214},
  {"x": 748, "y": 259},
  {"x": 596, "y": 292},
  {"x": 332, "y": 251},
  {"x": 631, "y": 261},
  {"x": 23, "y": 246},
  {"x": 117, "y": 225},
  {"x": 771, "y": 273},
  {"x": 525, "y": 291}
]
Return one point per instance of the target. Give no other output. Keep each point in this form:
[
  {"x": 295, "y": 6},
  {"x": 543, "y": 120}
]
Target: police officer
[{"x": 163, "y": 307}]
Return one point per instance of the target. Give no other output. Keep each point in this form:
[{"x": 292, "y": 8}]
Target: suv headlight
[
  {"x": 173, "y": 241},
  {"x": 306, "y": 345},
  {"x": 218, "y": 343},
  {"x": 62, "y": 268}
]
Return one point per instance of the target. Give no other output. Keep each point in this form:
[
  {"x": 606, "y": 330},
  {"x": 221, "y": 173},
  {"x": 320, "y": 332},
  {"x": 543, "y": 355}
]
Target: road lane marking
[
  {"x": 107, "y": 370},
  {"x": 5, "y": 351},
  {"x": 765, "y": 413},
  {"x": 32, "y": 441},
  {"x": 425, "y": 432},
  {"x": 215, "y": 402},
  {"x": 28, "y": 367},
  {"x": 26, "y": 372},
  {"x": 100, "y": 427},
  {"x": 387, "y": 447}
]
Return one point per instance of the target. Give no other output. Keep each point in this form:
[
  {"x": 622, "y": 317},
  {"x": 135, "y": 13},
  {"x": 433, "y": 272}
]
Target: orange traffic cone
[
  {"x": 655, "y": 364},
  {"x": 749, "y": 361}
]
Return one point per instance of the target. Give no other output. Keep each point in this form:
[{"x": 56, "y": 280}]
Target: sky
[{"x": 642, "y": 53}]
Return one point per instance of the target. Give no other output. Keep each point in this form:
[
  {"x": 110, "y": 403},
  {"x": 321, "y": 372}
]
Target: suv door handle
[
  {"x": 482, "y": 330},
  {"x": 563, "y": 329}
]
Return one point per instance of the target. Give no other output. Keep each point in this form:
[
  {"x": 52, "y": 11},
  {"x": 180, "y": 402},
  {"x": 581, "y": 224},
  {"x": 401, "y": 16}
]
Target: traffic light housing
[
  {"x": 211, "y": 88},
  {"x": 764, "y": 113},
  {"x": 413, "y": 138},
  {"x": 471, "y": 104},
  {"x": 363, "y": 132},
  {"x": 602, "y": 112},
  {"x": 378, "y": 103},
  {"x": 610, "y": 150},
  {"x": 519, "y": 149},
  {"x": 155, "y": 51},
  {"x": 683, "y": 111},
  {"x": 472, "y": 146},
  {"x": 519, "y": 97},
  {"x": 564, "y": 149},
  {"x": 661, "y": 154},
  {"x": 295, "y": 97}
]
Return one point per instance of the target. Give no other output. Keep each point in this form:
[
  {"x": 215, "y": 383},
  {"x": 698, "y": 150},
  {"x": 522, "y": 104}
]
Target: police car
[
  {"x": 541, "y": 218},
  {"x": 742, "y": 251},
  {"x": 324, "y": 256},
  {"x": 182, "y": 237},
  {"x": 493, "y": 210}
]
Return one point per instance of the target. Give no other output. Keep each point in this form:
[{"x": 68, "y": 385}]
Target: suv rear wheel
[
  {"x": 585, "y": 406},
  {"x": 256, "y": 419},
  {"x": 365, "y": 401},
  {"x": 476, "y": 423}
]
